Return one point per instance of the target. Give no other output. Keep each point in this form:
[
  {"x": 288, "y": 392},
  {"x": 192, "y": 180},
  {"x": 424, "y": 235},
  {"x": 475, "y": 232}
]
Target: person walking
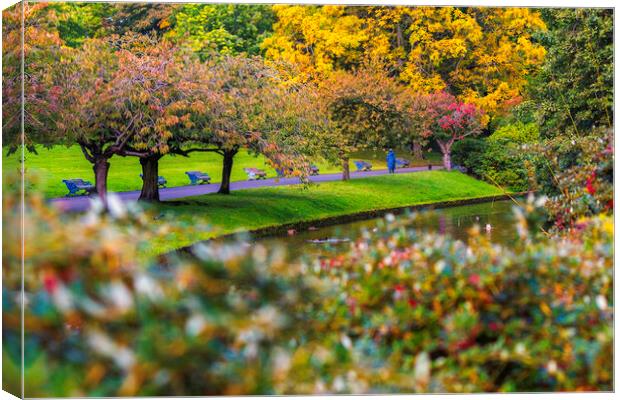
[{"x": 391, "y": 161}]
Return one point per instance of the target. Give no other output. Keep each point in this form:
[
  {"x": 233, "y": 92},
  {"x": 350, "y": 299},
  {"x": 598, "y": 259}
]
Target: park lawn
[
  {"x": 53, "y": 165},
  {"x": 259, "y": 208}
]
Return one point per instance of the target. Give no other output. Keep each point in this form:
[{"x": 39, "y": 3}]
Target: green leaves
[{"x": 574, "y": 88}]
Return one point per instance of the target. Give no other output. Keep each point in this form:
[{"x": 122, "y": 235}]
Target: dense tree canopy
[
  {"x": 227, "y": 29},
  {"x": 574, "y": 89},
  {"x": 40, "y": 48},
  {"x": 241, "y": 103},
  {"x": 481, "y": 55}
]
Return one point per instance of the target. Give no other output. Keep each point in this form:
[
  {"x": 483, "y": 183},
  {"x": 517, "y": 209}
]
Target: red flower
[
  {"x": 465, "y": 344},
  {"x": 399, "y": 287},
  {"x": 474, "y": 279},
  {"x": 50, "y": 282},
  {"x": 412, "y": 303},
  {"x": 589, "y": 187}
]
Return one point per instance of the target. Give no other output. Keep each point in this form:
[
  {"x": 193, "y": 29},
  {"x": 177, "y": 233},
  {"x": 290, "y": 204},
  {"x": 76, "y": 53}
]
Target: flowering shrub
[
  {"x": 469, "y": 317},
  {"x": 400, "y": 311},
  {"x": 582, "y": 184},
  {"x": 502, "y": 158}
]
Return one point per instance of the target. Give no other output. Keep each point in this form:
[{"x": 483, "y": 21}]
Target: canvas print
[{"x": 234, "y": 199}]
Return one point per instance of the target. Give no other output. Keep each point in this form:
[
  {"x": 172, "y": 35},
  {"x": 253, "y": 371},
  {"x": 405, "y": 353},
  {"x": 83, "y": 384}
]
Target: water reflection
[{"x": 493, "y": 218}]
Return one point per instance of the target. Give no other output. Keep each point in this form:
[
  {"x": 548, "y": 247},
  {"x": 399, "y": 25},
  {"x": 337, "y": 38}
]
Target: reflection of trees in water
[{"x": 442, "y": 224}]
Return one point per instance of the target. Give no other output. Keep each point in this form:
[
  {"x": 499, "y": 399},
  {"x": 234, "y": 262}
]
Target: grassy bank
[
  {"x": 58, "y": 163},
  {"x": 258, "y": 208}
]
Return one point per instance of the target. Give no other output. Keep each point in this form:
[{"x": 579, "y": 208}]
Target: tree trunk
[
  {"x": 101, "y": 167},
  {"x": 226, "y": 171},
  {"x": 416, "y": 150},
  {"x": 446, "y": 160},
  {"x": 446, "y": 149},
  {"x": 150, "y": 174},
  {"x": 345, "y": 169}
]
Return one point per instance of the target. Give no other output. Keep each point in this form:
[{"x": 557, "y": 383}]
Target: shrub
[
  {"x": 517, "y": 133},
  {"x": 469, "y": 153},
  {"x": 577, "y": 174},
  {"x": 456, "y": 317},
  {"x": 399, "y": 311}
]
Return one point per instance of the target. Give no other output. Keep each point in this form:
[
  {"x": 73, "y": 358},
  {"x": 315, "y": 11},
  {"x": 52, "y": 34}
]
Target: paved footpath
[{"x": 82, "y": 203}]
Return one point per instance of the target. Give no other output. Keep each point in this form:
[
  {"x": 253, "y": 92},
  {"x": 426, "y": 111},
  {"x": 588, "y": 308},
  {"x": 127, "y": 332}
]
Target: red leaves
[
  {"x": 474, "y": 280},
  {"x": 590, "y": 184},
  {"x": 50, "y": 282},
  {"x": 458, "y": 116}
]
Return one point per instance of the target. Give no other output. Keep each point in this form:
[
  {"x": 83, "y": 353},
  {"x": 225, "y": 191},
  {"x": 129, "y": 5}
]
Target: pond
[{"x": 452, "y": 221}]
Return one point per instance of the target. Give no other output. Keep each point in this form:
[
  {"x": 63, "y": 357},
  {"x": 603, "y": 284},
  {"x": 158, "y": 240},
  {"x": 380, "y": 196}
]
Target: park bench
[
  {"x": 78, "y": 187},
  {"x": 255, "y": 173},
  {"x": 161, "y": 181},
  {"x": 402, "y": 163},
  {"x": 313, "y": 170},
  {"x": 198, "y": 178},
  {"x": 362, "y": 166},
  {"x": 460, "y": 168}
]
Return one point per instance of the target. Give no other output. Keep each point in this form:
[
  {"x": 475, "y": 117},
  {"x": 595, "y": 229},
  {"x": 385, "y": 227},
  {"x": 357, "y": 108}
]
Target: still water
[{"x": 452, "y": 221}]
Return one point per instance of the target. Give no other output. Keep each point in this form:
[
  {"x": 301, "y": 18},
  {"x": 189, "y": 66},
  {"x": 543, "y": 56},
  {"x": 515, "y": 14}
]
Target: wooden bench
[
  {"x": 79, "y": 187},
  {"x": 255, "y": 173},
  {"x": 198, "y": 178},
  {"x": 402, "y": 163},
  {"x": 161, "y": 181},
  {"x": 362, "y": 166}
]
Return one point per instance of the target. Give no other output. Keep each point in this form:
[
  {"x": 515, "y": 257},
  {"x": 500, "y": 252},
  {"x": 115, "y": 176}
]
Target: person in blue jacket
[{"x": 391, "y": 161}]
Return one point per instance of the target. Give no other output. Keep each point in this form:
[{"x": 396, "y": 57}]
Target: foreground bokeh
[{"x": 398, "y": 311}]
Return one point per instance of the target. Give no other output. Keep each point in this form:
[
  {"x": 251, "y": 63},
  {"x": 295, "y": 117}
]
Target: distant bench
[
  {"x": 79, "y": 187},
  {"x": 255, "y": 173},
  {"x": 161, "y": 181},
  {"x": 198, "y": 178},
  {"x": 402, "y": 163},
  {"x": 313, "y": 170},
  {"x": 362, "y": 166}
]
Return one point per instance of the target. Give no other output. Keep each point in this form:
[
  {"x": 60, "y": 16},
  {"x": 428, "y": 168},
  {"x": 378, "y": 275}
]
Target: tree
[
  {"x": 229, "y": 29},
  {"x": 77, "y": 22},
  {"x": 448, "y": 121},
  {"x": 41, "y": 48},
  {"x": 480, "y": 55},
  {"x": 362, "y": 107},
  {"x": 140, "y": 18},
  {"x": 155, "y": 74},
  {"x": 320, "y": 39},
  {"x": 118, "y": 96},
  {"x": 91, "y": 113},
  {"x": 243, "y": 104},
  {"x": 573, "y": 92}
]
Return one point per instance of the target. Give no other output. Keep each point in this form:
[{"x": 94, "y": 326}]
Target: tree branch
[
  {"x": 186, "y": 152},
  {"x": 88, "y": 156}
]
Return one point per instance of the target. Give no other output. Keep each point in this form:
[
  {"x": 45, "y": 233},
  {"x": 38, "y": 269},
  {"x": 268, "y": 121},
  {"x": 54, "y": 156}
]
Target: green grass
[
  {"x": 258, "y": 208},
  {"x": 53, "y": 165}
]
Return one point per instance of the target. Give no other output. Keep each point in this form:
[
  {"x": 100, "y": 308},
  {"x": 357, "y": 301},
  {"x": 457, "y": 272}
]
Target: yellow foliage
[{"x": 482, "y": 55}]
